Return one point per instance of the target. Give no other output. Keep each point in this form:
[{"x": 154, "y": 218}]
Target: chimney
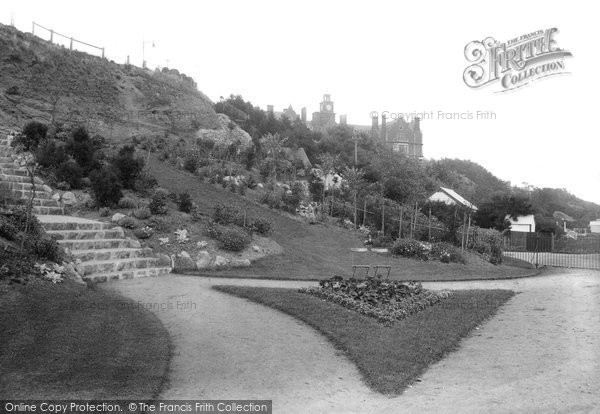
[
  {"x": 343, "y": 120},
  {"x": 303, "y": 114},
  {"x": 374, "y": 126},
  {"x": 383, "y": 135}
]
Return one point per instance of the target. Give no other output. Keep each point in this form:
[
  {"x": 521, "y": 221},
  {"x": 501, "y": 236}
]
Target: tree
[
  {"x": 328, "y": 164},
  {"x": 354, "y": 180},
  {"x": 273, "y": 144},
  {"x": 494, "y": 213}
]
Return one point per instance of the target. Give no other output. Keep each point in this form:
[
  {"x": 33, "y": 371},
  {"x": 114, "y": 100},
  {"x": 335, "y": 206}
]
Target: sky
[{"x": 370, "y": 56}]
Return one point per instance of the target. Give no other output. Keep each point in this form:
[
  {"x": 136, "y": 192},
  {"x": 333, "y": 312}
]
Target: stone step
[
  {"x": 128, "y": 274},
  {"x": 111, "y": 254},
  {"x": 19, "y": 179},
  {"x": 44, "y": 202},
  {"x": 8, "y": 164},
  {"x": 73, "y": 225},
  {"x": 14, "y": 171},
  {"x": 48, "y": 210},
  {"x": 116, "y": 265},
  {"x": 26, "y": 185},
  {"x": 75, "y": 245},
  {"x": 114, "y": 233},
  {"x": 6, "y": 159},
  {"x": 41, "y": 194}
]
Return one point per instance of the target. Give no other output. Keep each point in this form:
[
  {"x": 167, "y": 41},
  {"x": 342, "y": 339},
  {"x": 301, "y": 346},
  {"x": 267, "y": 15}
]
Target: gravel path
[{"x": 541, "y": 353}]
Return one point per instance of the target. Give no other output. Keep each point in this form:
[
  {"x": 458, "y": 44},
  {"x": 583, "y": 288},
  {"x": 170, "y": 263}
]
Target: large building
[
  {"x": 321, "y": 120},
  {"x": 399, "y": 135}
]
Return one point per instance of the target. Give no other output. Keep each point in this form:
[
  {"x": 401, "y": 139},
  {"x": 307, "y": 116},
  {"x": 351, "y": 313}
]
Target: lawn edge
[{"x": 340, "y": 346}]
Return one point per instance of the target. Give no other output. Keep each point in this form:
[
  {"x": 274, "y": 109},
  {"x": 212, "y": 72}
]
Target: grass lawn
[
  {"x": 65, "y": 341},
  {"x": 317, "y": 251},
  {"x": 389, "y": 358}
]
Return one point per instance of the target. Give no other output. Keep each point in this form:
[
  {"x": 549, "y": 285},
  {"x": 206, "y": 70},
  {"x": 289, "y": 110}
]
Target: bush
[
  {"x": 81, "y": 147},
  {"x": 447, "y": 253},
  {"x": 262, "y": 226},
  {"x": 69, "y": 172},
  {"x": 383, "y": 241},
  {"x": 190, "y": 164},
  {"x": 128, "y": 166},
  {"x": 142, "y": 213},
  {"x": 272, "y": 198},
  {"x": 33, "y": 133},
  {"x": 228, "y": 214},
  {"x": 411, "y": 248},
  {"x": 145, "y": 183},
  {"x": 158, "y": 224},
  {"x": 106, "y": 187},
  {"x": 160, "y": 201},
  {"x": 104, "y": 212},
  {"x": 143, "y": 233},
  {"x": 47, "y": 248},
  {"x": 229, "y": 238},
  {"x": 50, "y": 154},
  {"x": 487, "y": 242},
  {"x": 129, "y": 223},
  {"x": 185, "y": 202},
  {"x": 7, "y": 229},
  {"x": 127, "y": 202}
]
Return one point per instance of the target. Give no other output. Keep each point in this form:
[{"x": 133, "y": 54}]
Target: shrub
[
  {"x": 272, "y": 198},
  {"x": 127, "y": 202},
  {"x": 104, "y": 212},
  {"x": 159, "y": 224},
  {"x": 190, "y": 164},
  {"x": 7, "y": 229},
  {"x": 262, "y": 226},
  {"x": 129, "y": 223},
  {"x": 228, "y": 214},
  {"x": 229, "y": 238},
  {"x": 383, "y": 241},
  {"x": 447, "y": 253},
  {"x": 145, "y": 183},
  {"x": 160, "y": 201},
  {"x": 69, "y": 172},
  {"x": 50, "y": 154},
  {"x": 487, "y": 242},
  {"x": 106, "y": 187},
  {"x": 185, "y": 202},
  {"x": 143, "y": 233},
  {"x": 142, "y": 213},
  {"x": 128, "y": 166},
  {"x": 33, "y": 133},
  {"x": 82, "y": 149},
  {"x": 18, "y": 219},
  {"x": 411, "y": 248},
  {"x": 47, "y": 248}
]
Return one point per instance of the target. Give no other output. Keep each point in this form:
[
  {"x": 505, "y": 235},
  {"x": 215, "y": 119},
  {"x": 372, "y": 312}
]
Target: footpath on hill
[
  {"x": 540, "y": 353},
  {"x": 315, "y": 251}
]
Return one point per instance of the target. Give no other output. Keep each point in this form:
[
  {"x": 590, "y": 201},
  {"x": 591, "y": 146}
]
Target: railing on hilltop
[{"x": 70, "y": 38}]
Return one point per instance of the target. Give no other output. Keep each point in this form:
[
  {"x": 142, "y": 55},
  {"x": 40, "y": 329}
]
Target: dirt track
[{"x": 541, "y": 353}]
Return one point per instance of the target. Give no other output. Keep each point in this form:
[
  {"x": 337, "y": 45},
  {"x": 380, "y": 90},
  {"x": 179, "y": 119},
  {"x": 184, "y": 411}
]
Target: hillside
[
  {"x": 46, "y": 82},
  {"x": 316, "y": 251}
]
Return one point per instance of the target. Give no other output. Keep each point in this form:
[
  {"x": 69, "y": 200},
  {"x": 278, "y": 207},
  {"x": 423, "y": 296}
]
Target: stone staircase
[{"x": 101, "y": 250}]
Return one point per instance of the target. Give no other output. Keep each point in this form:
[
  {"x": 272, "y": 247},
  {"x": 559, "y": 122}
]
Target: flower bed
[{"x": 385, "y": 300}]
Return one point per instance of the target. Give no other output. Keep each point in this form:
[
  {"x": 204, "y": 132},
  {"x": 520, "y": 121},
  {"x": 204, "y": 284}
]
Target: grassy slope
[
  {"x": 389, "y": 358},
  {"x": 65, "y": 341},
  {"x": 317, "y": 251}
]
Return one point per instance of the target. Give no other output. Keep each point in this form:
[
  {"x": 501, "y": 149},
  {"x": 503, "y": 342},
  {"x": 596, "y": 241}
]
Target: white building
[
  {"x": 595, "y": 226},
  {"x": 524, "y": 224}
]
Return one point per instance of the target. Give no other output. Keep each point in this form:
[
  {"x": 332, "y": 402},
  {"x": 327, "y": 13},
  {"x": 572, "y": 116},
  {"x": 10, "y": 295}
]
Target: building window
[{"x": 400, "y": 147}]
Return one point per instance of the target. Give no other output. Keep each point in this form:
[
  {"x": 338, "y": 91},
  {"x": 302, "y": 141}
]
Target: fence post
[
  {"x": 383, "y": 216},
  {"x": 71, "y": 44},
  {"x": 51, "y": 36},
  {"x": 401, "y": 220},
  {"x": 33, "y": 28},
  {"x": 102, "y": 53},
  {"x": 365, "y": 213},
  {"x": 429, "y": 226}
]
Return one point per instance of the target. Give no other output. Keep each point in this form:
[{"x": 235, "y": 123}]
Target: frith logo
[{"x": 515, "y": 63}]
